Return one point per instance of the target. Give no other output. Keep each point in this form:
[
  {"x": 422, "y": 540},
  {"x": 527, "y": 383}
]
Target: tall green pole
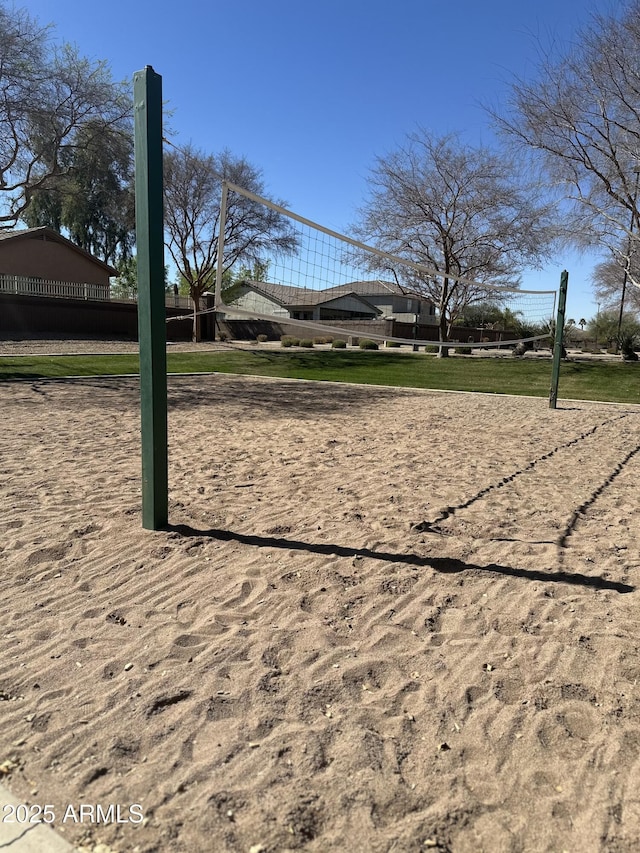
[
  {"x": 147, "y": 95},
  {"x": 557, "y": 346}
]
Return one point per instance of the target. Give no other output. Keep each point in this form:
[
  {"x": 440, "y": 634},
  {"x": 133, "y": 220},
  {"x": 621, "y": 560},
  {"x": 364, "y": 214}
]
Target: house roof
[
  {"x": 370, "y": 288},
  {"x": 45, "y": 233},
  {"x": 378, "y": 288},
  {"x": 289, "y": 296},
  {"x": 284, "y": 294}
]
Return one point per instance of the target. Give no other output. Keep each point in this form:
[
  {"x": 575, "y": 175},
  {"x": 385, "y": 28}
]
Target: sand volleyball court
[{"x": 381, "y": 620}]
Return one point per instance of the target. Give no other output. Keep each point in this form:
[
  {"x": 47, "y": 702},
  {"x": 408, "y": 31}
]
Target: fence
[
  {"x": 170, "y": 300},
  {"x": 27, "y": 286},
  {"x": 20, "y": 285}
]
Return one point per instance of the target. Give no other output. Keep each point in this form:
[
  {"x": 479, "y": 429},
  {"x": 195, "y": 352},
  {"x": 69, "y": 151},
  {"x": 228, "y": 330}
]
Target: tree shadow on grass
[
  {"x": 325, "y": 359},
  {"x": 445, "y": 565}
]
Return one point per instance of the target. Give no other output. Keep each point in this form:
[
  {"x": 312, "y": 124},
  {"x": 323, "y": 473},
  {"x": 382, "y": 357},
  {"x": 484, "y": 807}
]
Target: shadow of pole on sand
[{"x": 446, "y": 565}]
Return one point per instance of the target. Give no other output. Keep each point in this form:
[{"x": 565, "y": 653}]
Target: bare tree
[
  {"x": 193, "y": 188},
  {"x": 610, "y": 276},
  {"x": 48, "y": 93},
  {"x": 580, "y": 118},
  {"x": 465, "y": 212}
]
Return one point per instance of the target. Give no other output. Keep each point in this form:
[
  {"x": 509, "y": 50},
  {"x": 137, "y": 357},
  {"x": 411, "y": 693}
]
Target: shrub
[
  {"x": 322, "y": 340},
  {"x": 520, "y": 349},
  {"x": 307, "y": 343},
  {"x": 463, "y": 350},
  {"x": 627, "y": 348},
  {"x": 338, "y": 344},
  {"x": 223, "y": 336},
  {"x": 393, "y": 344},
  {"x": 367, "y": 344},
  {"x": 431, "y": 348},
  {"x": 289, "y": 341},
  {"x": 262, "y": 339}
]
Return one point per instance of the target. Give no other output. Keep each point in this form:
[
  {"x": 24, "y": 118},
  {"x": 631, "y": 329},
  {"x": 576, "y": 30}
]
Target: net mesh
[{"x": 334, "y": 284}]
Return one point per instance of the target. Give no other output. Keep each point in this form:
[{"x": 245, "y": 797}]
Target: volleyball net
[{"x": 334, "y": 285}]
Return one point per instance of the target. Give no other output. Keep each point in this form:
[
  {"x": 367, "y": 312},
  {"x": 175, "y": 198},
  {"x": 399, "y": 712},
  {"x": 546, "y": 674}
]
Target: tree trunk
[
  {"x": 443, "y": 352},
  {"x": 196, "y": 334}
]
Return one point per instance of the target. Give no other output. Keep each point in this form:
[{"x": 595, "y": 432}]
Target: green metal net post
[
  {"x": 558, "y": 343},
  {"x": 147, "y": 94}
]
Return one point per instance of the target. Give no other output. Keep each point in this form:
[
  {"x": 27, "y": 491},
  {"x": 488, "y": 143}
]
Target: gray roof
[
  {"x": 378, "y": 288},
  {"x": 289, "y": 296},
  {"x": 370, "y": 288}
]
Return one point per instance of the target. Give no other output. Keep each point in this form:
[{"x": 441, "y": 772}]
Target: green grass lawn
[{"x": 606, "y": 381}]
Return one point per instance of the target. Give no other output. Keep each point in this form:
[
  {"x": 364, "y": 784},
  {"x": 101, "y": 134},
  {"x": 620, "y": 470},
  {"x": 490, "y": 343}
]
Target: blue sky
[{"x": 312, "y": 92}]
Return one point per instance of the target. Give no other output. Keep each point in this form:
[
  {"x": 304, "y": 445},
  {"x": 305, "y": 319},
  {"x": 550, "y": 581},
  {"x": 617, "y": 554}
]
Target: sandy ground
[
  {"x": 381, "y": 620},
  {"x": 80, "y": 346}
]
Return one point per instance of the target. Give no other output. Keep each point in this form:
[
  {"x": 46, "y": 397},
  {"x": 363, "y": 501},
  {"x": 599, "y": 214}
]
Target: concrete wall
[
  {"x": 25, "y": 316},
  {"x": 247, "y": 330}
]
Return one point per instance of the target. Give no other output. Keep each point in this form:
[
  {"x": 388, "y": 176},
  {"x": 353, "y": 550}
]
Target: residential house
[
  {"x": 393, "y": 301},
  {"x": 300, "y": 303},
  {"x": 39, "y": 261},
  {"x": 360, "y": 300}
]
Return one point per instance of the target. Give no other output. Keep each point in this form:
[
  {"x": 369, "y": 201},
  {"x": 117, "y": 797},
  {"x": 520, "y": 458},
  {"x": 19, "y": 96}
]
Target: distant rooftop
[{"x": 287, "y": 295}]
